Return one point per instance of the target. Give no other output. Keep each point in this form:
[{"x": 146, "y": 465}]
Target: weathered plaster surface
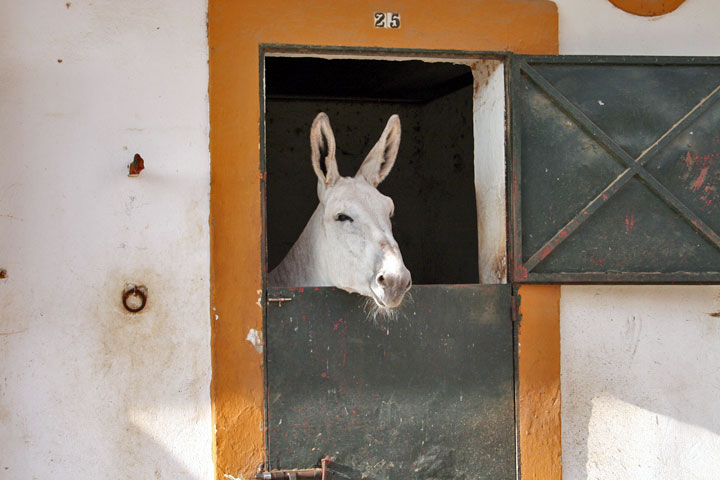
[
  {"x": 640, "y": 381},
  {"x": 538, "y": 387},
  {"x": 597, "y": 27},
  {"x": 489, "y": 144},
  {"x": 88, "y": 390},
  {"x": 639, "y": 364}
]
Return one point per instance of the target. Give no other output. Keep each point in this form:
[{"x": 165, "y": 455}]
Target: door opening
[{"x": 448, "y": 182}]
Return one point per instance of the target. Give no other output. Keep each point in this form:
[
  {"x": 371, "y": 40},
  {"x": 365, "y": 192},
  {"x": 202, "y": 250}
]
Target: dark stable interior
[{"x": 432, "y": 182}]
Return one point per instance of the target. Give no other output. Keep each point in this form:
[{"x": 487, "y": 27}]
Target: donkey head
[{"x": 358, "y": 247}]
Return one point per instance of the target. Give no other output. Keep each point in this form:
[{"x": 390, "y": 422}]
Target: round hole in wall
[{"x": 647, "y": 8}]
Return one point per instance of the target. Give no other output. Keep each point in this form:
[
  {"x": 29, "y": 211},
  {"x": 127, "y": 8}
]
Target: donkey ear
[
  {"x": 322, "y": 144},
  {"x": 381, "y": 158}
]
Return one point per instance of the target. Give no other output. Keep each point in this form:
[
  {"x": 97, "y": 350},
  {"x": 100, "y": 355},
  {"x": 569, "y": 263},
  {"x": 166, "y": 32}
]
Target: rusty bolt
[
  {"x": 3, "y": 273},
  {"x": 137, "y": 166}
]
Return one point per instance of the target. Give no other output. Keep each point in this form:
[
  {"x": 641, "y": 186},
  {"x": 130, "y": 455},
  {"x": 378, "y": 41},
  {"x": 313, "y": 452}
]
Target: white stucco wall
[
  {"x": 87, "y": 390},
  {"x": 640, "y": 382},
  {"x": 640, "y": 364},
  {"x": 597, "y": 27}
]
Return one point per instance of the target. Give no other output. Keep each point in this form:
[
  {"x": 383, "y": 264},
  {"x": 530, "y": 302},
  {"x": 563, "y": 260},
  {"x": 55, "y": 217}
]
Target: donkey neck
[{"x": 303, "y": 265}]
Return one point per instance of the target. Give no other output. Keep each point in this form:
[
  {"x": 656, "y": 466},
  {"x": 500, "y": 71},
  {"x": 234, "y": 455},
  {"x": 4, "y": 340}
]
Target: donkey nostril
[
  {"x": 381, "y": 280},
  {"x": 408, "y": 284}
]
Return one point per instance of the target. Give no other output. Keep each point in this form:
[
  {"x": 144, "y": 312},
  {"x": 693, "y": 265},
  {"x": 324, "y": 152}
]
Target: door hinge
[{"x": 515, "y": 314}]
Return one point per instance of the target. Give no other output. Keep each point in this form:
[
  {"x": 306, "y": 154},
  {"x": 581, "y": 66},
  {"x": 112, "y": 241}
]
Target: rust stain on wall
[{"x": 139, "y": 352}]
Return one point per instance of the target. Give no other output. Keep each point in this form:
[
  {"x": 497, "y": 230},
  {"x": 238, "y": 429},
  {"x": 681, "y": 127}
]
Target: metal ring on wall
[{"x": 134, "y": 291}]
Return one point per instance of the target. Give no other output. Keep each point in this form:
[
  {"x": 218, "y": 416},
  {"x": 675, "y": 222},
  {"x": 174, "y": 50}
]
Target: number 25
[{"x": 387, "y": 20}]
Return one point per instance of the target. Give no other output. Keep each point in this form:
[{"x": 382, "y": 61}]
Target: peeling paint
[
  {"x": 227, "y": 475},
  {"x": 698, "y": 169},
  {"x": 521, "y": 273},
  {"x": 259, "y": 300},
  {"x": 688, "y": 159},
  {"x": 489, "y": 169},
  {"x": 700, "y": 180},
  {"x": 255, "y": 338}
]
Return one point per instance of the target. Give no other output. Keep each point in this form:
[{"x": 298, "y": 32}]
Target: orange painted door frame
[{"x": 236, "y": 30}]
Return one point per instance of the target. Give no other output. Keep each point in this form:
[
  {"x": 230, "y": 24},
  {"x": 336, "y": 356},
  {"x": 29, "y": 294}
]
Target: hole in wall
[{"x": 442, "y": 226}]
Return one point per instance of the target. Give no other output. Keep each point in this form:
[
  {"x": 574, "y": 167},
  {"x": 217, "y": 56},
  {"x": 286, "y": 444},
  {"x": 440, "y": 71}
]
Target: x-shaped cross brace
[{"x": 633, "y": 167}]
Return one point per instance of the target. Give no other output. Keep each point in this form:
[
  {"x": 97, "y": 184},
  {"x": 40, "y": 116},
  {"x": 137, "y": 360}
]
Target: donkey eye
[{"x": 341, "y": 217}]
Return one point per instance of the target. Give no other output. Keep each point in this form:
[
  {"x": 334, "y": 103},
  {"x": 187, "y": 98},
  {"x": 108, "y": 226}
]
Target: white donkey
[{"x": 348, "y": 241}]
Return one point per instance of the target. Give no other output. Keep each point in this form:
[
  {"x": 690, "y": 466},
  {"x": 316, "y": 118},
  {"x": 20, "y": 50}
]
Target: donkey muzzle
[{"x": 390, "y": 286}]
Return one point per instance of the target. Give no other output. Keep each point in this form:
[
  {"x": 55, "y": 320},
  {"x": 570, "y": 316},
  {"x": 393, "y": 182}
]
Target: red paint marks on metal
[
  {"x": 521, "y": 273},
  {"x": 563, "y": 234},
  {"x": 702, "y": 173},
  {"x": 629, "y": 222},
  {"x": 324, "y": 375},
  {"x": 546, "y": 251},
  {"x": 688, "y": 159},
  {"x": 335, "y": 327},
  {"x": 709, "y": 197},
  {"x": 706, "y": 164},
  {"x": 699, "y": 180}
]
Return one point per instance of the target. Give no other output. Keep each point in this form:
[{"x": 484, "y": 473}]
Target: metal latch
[
  {"x": 322, "y": 473},
  {"x": 280, "y": 300}
]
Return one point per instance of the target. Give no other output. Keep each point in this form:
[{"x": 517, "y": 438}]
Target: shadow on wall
[
  {"x": 640, "y": 382},
  {"x": 158, "y": 395},
  {"x": 121, "y": 396}
]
